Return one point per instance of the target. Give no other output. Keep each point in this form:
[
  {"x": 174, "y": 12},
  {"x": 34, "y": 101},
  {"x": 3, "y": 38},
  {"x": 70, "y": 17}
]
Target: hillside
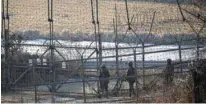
[{"x": 74, "y": 16}]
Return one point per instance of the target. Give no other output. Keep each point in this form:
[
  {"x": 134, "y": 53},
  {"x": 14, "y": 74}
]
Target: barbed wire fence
[{"x": 122, "y": 21}]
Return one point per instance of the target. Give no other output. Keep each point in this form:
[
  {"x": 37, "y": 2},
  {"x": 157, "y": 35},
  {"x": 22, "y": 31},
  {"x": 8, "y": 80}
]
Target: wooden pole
[
  {"x": 7, "y": 58},
  {"x": 128, "y": 18},
  {"x": 143, "y": 64},
  {"x": 198, "y": 50},
  {"x": 34, "y": 81},
  {"x": 116, "y": 42},
  {"x": 96, "y": 42},
  {"x": 83, "y": 78},
  {"x": 98, "y": 33},
  {"x": 51, "y": 46},
  {"x": 2, "y": 19},
  {"x": 135, "y": 66},
  {"x": 6, "y": 39},
  {"x": 180, "y": 55}
]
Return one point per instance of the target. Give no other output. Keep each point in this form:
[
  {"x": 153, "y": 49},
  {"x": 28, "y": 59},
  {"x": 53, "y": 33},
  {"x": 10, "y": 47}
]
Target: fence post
[
  {"x": 117, "y": 61},
  {"x": 83, "y": 78},
  {"x": 7, "y": 57},
  {"x": 143, "y": 59},
  {"x": 135, "y": 66},
  {"x": 34, "y": 80},
  {"x": 180, "y": 55},
  {"x": 198, "y": 40},
  {"x": 116, "y": 42},
  {"x": 97, "y": 67},
  {"x": 96, "y": 41}
]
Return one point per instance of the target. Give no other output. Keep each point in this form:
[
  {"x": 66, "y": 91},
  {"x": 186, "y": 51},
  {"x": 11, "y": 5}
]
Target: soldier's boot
[
  {"x": 107, "y": 94},
  {"x": 130, "y": 92}
]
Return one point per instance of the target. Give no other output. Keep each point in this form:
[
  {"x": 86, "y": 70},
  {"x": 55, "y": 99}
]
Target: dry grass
[
  {"x": 10, "y": 100},
  {"x": 75, "y": 16},
  {"x": 179, "y": 92}
]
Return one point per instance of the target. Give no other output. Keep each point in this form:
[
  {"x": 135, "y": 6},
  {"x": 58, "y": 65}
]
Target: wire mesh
[{"x": 86, "y": 32}]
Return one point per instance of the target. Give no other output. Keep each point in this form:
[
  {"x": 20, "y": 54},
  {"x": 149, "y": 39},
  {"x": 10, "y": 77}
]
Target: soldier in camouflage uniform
[
  {"x": 104, "y": 79},
  {"x": 169, "y": 72},
  {"x": 131, "y": 77}
]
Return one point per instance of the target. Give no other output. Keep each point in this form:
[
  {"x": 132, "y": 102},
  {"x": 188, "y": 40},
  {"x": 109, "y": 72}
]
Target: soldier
[
  {"x": 104, "y": 79},
  {"x": 131, "y": 77},
  {"x": 169, "y": 72},
  {"x": 198, "y": 69}
]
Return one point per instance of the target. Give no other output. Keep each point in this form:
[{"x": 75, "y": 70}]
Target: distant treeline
[{"x": 109, "y": 37}]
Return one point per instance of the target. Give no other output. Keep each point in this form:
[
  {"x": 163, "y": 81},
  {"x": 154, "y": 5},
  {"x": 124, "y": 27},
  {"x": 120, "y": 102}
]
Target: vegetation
[
  {"x": 75, "y": 16},
  {"x": 72, "y": 21}
]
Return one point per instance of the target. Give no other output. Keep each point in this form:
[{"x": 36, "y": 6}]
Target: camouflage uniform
[
  {"x": 104, "y": 79},
  {"x": 169, "y": 72},
  {"x": 131, "y": 78}
]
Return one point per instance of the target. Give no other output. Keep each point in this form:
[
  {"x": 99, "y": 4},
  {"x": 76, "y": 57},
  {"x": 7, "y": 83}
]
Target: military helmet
[
  {"x": 103, "y": 66},
  {"x": 130, "y": 63},
  {"x": 169, "y": 61}
]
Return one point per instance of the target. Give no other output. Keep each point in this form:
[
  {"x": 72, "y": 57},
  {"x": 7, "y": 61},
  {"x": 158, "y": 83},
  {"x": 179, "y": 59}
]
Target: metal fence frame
[{"x": 98, "y": 49}]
